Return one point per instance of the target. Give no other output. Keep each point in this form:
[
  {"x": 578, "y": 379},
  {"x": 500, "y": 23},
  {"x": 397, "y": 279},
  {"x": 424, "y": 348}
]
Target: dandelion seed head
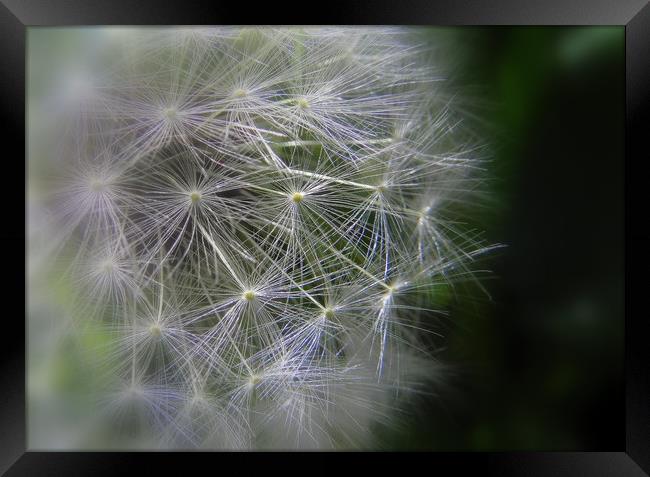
[{"x": 254, "y": 220}]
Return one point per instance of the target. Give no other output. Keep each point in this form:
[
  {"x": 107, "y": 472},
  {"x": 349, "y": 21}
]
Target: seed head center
[
  {"x": 195, "y": 197},
  {"x": 170, "y": 113},
  {"x": 302, "y": 103},
  {"x": 328, "y": 313},
  {"x": 248, "y": 295},
  {"x": 155, "y": 330},
  {"x": 96, "y": 185},
  {"x": 240, "y": 93},
  {"x": 297, "y": 197},
  {"x": 106, "y": 266}
]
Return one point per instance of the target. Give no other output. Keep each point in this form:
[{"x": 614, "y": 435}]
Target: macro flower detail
[{"x": 257, "y": 226}]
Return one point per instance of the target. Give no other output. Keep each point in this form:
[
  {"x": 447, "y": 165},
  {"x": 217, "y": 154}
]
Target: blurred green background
[{"x": 539, "y": 366}]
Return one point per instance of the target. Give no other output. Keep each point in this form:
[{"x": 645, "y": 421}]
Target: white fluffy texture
[{"x": 257, "y": 219}]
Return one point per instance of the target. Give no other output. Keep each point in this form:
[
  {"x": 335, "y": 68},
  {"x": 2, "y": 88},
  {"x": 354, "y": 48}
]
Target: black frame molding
[{"x": 16, "y": 15}]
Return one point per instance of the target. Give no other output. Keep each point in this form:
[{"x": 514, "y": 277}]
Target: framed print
[{"x": 414, "y": 234}]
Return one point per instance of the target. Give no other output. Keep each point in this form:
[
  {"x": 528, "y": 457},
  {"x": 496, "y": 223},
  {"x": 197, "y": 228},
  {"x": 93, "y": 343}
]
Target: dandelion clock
[{"x": 242, "y": 238}]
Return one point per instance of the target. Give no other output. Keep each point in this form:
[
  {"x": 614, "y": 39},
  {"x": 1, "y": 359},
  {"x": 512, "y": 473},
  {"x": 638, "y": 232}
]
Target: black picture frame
[{"x": 632, "y": 459}]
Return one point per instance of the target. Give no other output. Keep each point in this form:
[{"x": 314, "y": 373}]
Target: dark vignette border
[{"x": 15, "y": 15}]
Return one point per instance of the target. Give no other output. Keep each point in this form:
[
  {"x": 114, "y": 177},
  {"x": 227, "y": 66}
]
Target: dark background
[{"x": 539, "y": 366}]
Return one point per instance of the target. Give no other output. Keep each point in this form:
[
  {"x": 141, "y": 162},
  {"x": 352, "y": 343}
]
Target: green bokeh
[{"x": 539, "y": 363}]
